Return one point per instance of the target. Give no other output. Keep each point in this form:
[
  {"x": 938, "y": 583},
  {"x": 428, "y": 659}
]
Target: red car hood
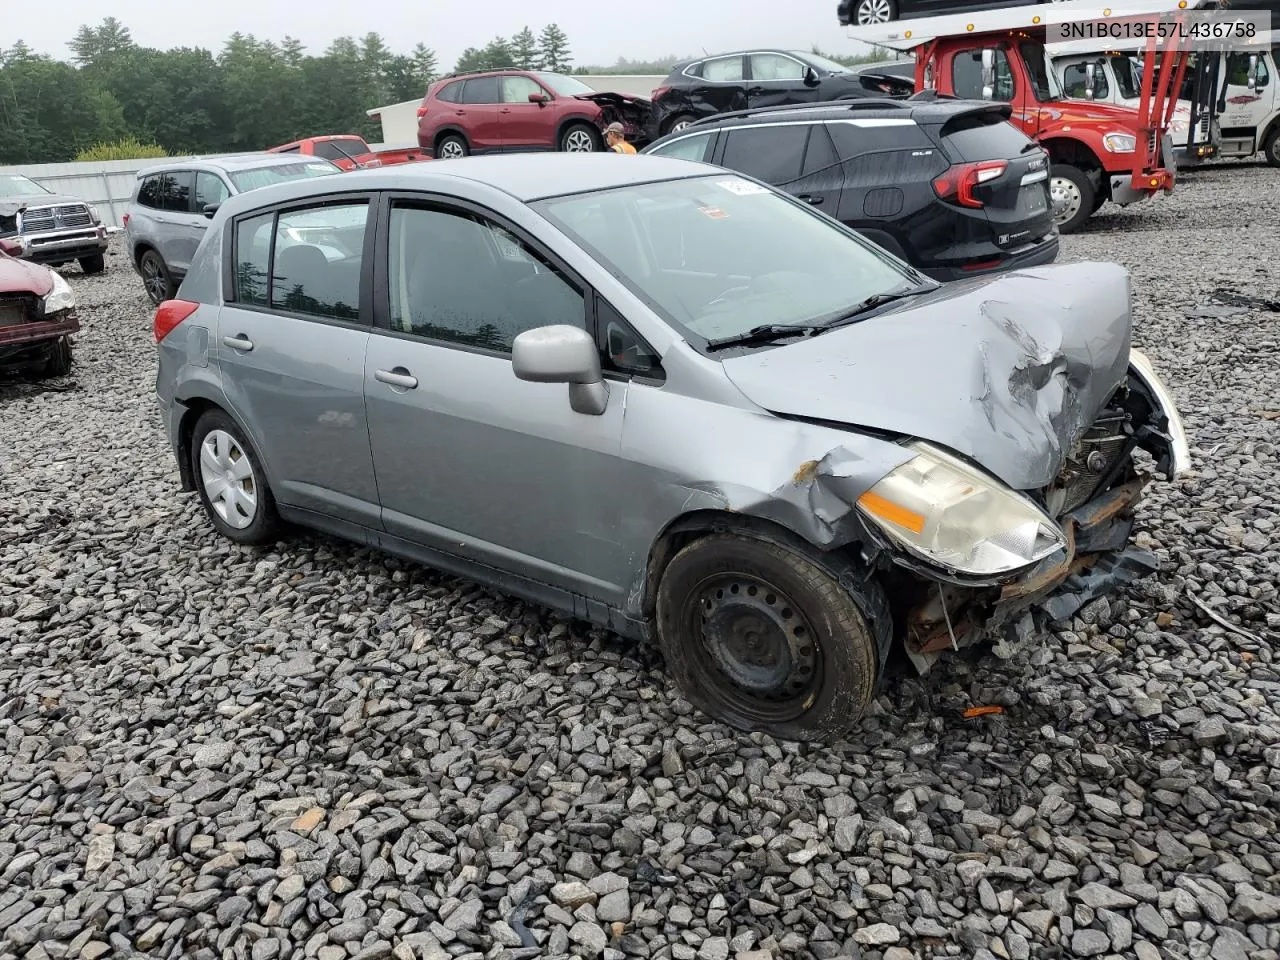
[{"x": 18, "y": 276}]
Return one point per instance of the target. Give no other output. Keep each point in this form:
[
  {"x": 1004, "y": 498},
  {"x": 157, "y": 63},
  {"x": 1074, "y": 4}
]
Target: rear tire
[
  {"x": 451, "y": 147},
  {"x": 1073, "y": 196},
  {"x": 580, "y": 138},
  {"x": 231, "y": 481},
  {"x": 679, "y": 122},
  {"x": 761, "y": 637},
  {"x": 58, "y": 363},
  {"x": 94, "y": 264},
  {"x": 1271, "y": 146},
  {"x": 156, "y": 279}
]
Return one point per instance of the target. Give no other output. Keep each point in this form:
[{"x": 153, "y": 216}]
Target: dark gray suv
[{"x": 672, "y": 401}]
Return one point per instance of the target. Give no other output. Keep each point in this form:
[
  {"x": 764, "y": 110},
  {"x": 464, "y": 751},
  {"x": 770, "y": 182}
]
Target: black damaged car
[{"x": 696, "y": 89}]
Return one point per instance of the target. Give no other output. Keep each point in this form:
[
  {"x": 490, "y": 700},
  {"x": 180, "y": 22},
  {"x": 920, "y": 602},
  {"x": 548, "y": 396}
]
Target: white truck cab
[
  {"x": 1115, "y": 77},
  {"x": 1249, "y": 105}
]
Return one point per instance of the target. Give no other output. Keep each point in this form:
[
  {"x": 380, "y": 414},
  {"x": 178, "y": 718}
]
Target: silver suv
[
  {"x": 173, "y": 202},
  {"x": 672, "y": 401}
]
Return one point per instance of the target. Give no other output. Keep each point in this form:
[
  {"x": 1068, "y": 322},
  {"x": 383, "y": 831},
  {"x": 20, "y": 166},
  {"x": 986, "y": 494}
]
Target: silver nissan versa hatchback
[{"x": 672, "y": 401}]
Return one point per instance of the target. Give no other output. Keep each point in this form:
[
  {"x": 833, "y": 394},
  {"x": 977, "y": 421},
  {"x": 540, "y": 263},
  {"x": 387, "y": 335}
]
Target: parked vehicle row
[{"x": 435, "y": 359}]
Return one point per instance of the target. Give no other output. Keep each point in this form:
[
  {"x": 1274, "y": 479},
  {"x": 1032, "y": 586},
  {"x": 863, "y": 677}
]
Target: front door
[
  {"x": 1245, "y": 107},
  {"x": 291, "y": 345},
  {"x": 525, "y": 124},
  {"x": 469, "y": 459},
  {"x": 776, "y": 79}
]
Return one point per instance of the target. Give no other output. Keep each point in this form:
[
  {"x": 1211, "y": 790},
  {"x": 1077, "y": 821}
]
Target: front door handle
[
  {"x": 811, "y": 199},
  {"x": 399, "y": 377},
  {"x": 240, "y": 342}
]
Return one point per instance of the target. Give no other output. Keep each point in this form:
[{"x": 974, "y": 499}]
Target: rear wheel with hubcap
[
  {"x": 155, "y": 277},
  {"x": 231, "y": 481},
  {"x": 451, "y": 147},
  {"x": 679, "y": 122},
  {"x": 764, "y": 638},
  {"x": 874, "y": 11},
  {"x": 1072, "y": 194},
  {"x": 579, "y": 138}
]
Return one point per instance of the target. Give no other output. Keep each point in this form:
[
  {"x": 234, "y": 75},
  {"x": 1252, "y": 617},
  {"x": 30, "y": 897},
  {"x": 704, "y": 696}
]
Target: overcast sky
[{"x": 599, "y": 30}]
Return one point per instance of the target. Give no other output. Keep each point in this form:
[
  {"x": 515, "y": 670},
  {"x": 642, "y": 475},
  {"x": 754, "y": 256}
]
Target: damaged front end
[
  {"x": 1091, "y": 503},
  {"x": 632, "y": 112}
]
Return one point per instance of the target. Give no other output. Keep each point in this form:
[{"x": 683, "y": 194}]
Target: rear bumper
[{"x": 1032, "y": 255}]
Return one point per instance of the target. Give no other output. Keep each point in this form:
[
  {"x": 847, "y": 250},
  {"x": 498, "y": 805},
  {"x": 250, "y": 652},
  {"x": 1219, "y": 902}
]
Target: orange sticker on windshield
[{"x": 715, "y": 213}]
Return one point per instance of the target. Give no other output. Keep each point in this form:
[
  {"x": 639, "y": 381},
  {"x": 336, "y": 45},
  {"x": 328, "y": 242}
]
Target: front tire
[
  {"x": 452, "y": 147},
  {"x": 579, "y": 138},
  {"x": 58, "y": 363},
  {"x": 764, "y": 638},
  {"x": 94, "y": 264},
  {"x": 156, "y": 279},
  {"x": 1073, "y": 197},
  {"x": 231, "y": 482},
  {"x": 1271, "y": 146}
]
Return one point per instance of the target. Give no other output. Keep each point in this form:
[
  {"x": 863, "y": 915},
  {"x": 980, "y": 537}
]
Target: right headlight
[
  {"x": 1120, "y": 142},
  {"x": 954, "y": 516}
]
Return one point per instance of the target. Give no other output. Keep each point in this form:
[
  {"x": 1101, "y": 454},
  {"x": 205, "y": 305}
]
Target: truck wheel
[
  {"x": 94, "y": 264},
  {"x": 1271, "y": 148},
  {"x": 58, "y": 363},
  {"x": 763, "y": 638},
  {"x": 1072, "y": 195}
]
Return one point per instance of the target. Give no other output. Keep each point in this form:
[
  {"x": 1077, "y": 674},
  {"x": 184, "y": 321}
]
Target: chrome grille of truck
[{"x": 68, "y": 217}]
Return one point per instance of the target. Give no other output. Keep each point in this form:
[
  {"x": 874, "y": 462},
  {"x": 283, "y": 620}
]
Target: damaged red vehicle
[
  {"x": 37, "y": 316},
  {"x": 507, "y": 111}
]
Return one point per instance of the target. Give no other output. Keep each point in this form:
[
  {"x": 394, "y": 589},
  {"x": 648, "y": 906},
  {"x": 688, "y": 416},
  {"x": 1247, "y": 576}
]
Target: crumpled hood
[
  {"x": 614, "y": 99},
  {"x": 19, "y": 276},
  {"x": 1008, "y": 370},
  {"x": 11, "y": 205}
]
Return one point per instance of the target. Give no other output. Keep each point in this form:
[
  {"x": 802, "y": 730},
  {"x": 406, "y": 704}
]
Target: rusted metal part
[
  {"x": 35, "y": 331},
  {"x": 933, "y": 629}
]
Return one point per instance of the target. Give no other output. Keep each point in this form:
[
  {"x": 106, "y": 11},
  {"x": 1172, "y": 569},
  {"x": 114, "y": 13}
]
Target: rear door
[
  {"x": 772, "y": 152},
  {"x": 292, "y": 335},
  {"x": 179, "y": 227},
  {"x": 1015, "y": 198},
  {"x": 723, "y": 87},
  {"x": 775, "y": 79},
  {"x": 480, "y": 113}
]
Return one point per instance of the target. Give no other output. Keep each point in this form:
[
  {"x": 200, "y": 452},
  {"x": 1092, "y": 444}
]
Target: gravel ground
[{"x": 317, "y": 751}]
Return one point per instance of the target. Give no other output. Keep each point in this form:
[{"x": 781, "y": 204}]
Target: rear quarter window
[
  {"x": 451, "y": 92},
  {"x": 149, "y": 191}
]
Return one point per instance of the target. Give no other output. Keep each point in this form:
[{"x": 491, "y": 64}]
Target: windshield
[
  {"x": 15, "y": 185},
  {"x": 564, "y": 86},
  {"x": 1040, "y": 69},
  {"x": 822, "y": 63},
  {"x": 718, "y": 256},
  {"x": 246, "y": 180},
  {"x": 1128, "y": 80}
]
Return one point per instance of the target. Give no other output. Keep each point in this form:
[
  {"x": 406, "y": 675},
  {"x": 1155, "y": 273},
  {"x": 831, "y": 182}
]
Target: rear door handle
[
  {"x": 399, "y": 377},
  {"x": 240, "y": 342}
]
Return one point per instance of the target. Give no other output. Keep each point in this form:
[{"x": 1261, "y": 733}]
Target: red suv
[{"x": 496, "y": 111}]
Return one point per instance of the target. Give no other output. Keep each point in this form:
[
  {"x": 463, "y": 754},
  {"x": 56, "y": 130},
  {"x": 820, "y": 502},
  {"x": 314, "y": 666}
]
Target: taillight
[
  {"x": 659, "y": 93},
  {"x": 422, "y": 109},
  {"x": 124, "y": 220},
  {"x": 169, "y": 314},
  {"x": 960, "y": 181}
]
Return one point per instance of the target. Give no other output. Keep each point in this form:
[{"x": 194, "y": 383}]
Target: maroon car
[
  {"x": 503, "y": 111},
  {"x": 37, "y": 316}
]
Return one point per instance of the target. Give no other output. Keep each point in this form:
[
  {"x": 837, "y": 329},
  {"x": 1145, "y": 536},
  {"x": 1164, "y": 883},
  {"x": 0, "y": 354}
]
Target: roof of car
[
  {"x": 524, "y": 176},
  {"x": 239, "y": 161},
  {"x": 919, "y": 111}
]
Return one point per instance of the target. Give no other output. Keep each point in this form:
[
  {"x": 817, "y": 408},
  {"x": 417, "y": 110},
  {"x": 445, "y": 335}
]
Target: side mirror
[
  {"x": 563, "y": 354},
  {"x": 1090, "y": 76},
  {"x": 811, "y": 78},
  {"x": 210, "y": 209},
  {"x": 539, "y": 98},
  {"x": 988, "y": 73},
  {"x": 12, "y": 246}
]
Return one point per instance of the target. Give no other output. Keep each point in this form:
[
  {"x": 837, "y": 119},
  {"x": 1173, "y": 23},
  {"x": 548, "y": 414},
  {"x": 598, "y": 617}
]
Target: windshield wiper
[
  {"x": 869, "y": 304},
  {"x": 764, "y": 333}
]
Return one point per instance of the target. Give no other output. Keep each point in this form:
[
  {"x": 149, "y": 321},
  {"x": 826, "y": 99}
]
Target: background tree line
[{"x": 251, "y": 95}]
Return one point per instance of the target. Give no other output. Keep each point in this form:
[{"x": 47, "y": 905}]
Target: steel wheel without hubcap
[
  {"x": 874, "y": 11},
  {"x": 758, "y": 654},
  {"x": 228, "y": 479},
  {"x": 1066, "y": 199},
  {"x": 153, "y": 279},
  {"x": 579, "y": 141}
]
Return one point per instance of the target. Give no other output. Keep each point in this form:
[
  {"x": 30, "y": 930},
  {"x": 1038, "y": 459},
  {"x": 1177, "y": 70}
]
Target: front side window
[
  {"x": 966, "y": 76},
  {"x": 1039, "y": 68},
  {"x": 1128, "y": 79},
  {"x": 565, "y": 86},
  {"x": 773, "y": 66},
  {"x": 771, "y": 153},
  {"x": 686, "y": 148},
  {"x": 482, "y": 90},
  {"x": 719, "y": 255},
  {"x": 458, "y": 277},
  {"x": 316, "y": 266},
  {"x": 723, "y": 70},
  {"x": 518, "y": 89},
  {"x": 209, "y": 190}
]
